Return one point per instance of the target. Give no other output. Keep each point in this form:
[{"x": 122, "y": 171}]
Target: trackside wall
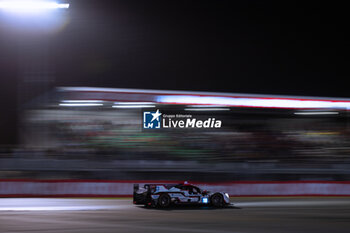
[{"x": 120, "y": 188}]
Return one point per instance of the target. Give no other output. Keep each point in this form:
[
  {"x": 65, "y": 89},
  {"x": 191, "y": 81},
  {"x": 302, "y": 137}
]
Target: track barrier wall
[{"x": 104, "y": 188}]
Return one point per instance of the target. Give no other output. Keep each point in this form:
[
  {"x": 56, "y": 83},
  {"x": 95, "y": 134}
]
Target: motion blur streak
[
  {"x": 96, "y": 133},
  {"x": 133, "y": 106},
  {"x": 207, "y": 109},
  {"x": 254, "y": 102},
  {"x": 82, "y": 101},
  {"x": 263, "y": 215},
  {"x": 55, "y": 208},
  {"x": 316, "y": 113},
  {"x": 57, "y": 204},
  {"x": 80, "y": 105}
]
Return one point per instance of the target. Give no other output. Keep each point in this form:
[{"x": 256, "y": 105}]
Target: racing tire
[
  {"x": 217, "y": 200},
  {"x": 164, "y": 201}
]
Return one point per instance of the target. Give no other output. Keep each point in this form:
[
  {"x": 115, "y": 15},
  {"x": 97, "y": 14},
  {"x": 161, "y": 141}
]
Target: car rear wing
[
  {"x": 136, "y": 187},
  {"x": 142, "y": 195},
  {"x": 143, "y": 187}
]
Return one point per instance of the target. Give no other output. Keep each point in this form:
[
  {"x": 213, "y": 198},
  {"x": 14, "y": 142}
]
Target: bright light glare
[
  {"x": 133, "y": 106},
  {"x": 80, "y": 105},
  {"x": 82, "y": 101},
  {"x": 136, "y": 103},
  {"x": 316, "y": 113},
  {"x": 31, "y": 5},
  {"x": 254, "y": 102},
  {"x": 207, "y": 109},
  {"x": 205, "y": 106}
]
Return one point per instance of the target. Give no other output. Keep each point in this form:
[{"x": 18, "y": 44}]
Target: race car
[{"x": 164, "y": 195}]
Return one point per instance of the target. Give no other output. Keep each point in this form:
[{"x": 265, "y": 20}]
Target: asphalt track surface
[{"x": 298, "y": 214}]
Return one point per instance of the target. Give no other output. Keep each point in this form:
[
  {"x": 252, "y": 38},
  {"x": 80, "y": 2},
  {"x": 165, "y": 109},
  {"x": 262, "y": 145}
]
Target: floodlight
[{"x": 31, "y": 5}]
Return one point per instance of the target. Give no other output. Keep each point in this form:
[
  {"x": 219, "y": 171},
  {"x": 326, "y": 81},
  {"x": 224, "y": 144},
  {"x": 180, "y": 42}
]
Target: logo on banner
[
  {"x": 156, "y": 120},
  {"x": 152, "y": 120}
]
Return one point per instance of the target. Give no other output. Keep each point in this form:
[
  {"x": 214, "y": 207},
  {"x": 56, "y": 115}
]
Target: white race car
[{"x": 164, "y": 195}]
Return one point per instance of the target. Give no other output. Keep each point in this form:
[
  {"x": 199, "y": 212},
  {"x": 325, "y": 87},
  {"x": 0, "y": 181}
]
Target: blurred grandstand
[{"x": 95, "y": 133}]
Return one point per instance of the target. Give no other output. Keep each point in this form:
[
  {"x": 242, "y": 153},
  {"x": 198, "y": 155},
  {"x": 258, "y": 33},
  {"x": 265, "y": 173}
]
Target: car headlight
[{"x": 226, "y": 194}]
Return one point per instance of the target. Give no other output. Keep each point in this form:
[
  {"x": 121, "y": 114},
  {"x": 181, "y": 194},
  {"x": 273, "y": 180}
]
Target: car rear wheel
[
  {"x": 164, "y": 201},
  {"x": 217, "y": 200}
]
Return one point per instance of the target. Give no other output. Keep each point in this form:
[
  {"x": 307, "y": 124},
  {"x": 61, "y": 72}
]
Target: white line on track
[
  {"x": 57, "y": 208},
  {"x": 288, "y": 203},
  {"x": 176, "y": 229},
  {"x": 57, "y": 204},
  {"x": 53, "y": 204}
]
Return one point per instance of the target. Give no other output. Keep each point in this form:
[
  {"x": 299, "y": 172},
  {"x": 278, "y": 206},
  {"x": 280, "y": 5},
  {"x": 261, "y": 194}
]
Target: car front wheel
[{"x": 217, "y": 200}]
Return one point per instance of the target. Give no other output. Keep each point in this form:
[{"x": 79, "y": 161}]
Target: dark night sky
[{"x": 282, "y": 47}]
